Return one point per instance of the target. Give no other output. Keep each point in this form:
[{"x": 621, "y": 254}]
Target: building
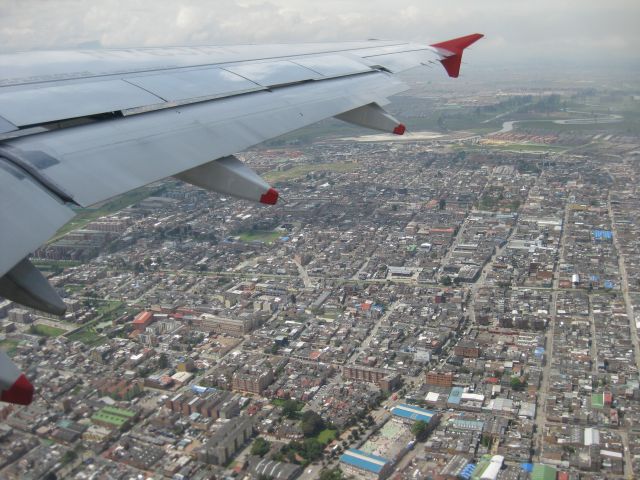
[
  {"x": 252, "y": 381},
  {"x": 264, "y": 468},
  {"x": 143, "y": 320},
  {"x": 467, "y": 349},
  {"x": 182, "y": 378},
  {"x": 97, "y": 434},
  {"x": 231, "y": 326},
  {"x": 214, "y": 405},
  {"x": 454, "y": 468},
  {"x": 120, "y": 389},
  {"x": 20, "y": 315},
  {"x": 411, "y": 413},
  {"x": 372, "y": 466},
  {"x": 387, "y": 380},
  {"x": 114, "y": 418},
  {"x": 226, "y": 441},
  {"x": 440, "y": 379}
]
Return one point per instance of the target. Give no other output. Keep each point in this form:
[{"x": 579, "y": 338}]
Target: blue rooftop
[
  {"x": 455, "y": 395},
  {"x": 412, "y": 412},
  {"x": 364, "y": 460},
  {"x": 467, "y": 471},
  {"x": 602, "y": 234}
]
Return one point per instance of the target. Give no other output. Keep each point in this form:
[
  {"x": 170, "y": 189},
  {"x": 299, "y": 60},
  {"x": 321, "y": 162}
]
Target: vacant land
[{"x": 260, "y": 236}]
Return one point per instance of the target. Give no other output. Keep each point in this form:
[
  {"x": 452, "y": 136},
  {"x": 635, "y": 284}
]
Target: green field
[
  {"x": 302, "y": 170},
  {"x": 109, "y": 307},
  {"x": 279, "y": 402},
  {"x": 46, "y": 330},
  {"x": 260, "y": 236},
  {"x": 516, "y": 147},
  {"x": 43, "y": 264},
  {"x": 88, "y": 336},
  {"x": 9, "y": 345},
  {"x": 326, "y": 436}
]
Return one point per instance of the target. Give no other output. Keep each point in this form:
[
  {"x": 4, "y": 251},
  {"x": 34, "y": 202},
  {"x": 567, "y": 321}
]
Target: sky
[{"x": 554, "y": 31}]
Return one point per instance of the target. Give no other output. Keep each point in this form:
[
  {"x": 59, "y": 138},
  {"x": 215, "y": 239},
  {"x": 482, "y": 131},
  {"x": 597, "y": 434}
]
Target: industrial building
[
  {"x": 373, "y": 466},
  {"x": 411, "y": 414}
]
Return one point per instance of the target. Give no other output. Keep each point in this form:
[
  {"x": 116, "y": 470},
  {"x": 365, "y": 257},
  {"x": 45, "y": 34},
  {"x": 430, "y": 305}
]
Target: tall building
[
  {"x": 253, "y": 381},
  {"x": 226, "y": 441},
  {"x": 240, "y": 325},
  {"x": 387, "y": 380},
  {"x": 440, "y": 379}
]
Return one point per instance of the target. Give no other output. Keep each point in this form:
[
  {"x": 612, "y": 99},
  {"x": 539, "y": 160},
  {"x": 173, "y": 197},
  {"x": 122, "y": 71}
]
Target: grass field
[
  {"x": 260, "y": 236},
  {"x": 88, "y": 336},
  {"x": 109, "y": 307},
  {"x": 326, "y": 436},
  {"x": 302, "y": 170},
  {"x": 46, "y": 330},
  {"x": 522, "y": 147},
  {"x": 54, "y": 264},
  {"x": 9, "y": 345}
]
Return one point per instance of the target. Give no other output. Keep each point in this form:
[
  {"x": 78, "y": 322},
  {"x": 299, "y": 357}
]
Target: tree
[
  {"x": 332, "y": 474},
  {"x": 446, "y": 280},
  {"x": 442, "y": 204},
  {"x": 420, "y": 429},
  {"x": 260, "y": 447},
  {"x": 69, "y": 456},
  {"x": 312, "y": 449},
  {"x": 163, "y": 361},
  {"x": 290, "y": 408},
  {"x": 312, "y": 423},
  {"x": 517, "y": 384}
]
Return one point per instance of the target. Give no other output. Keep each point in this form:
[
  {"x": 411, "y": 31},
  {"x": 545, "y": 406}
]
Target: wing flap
[
  {"x": 333, "y": 65},
  {"x": 195, "y": 84},
  {"x": 60, "y": 102},
  {"x": 29, "y": 216},
  {"x": 399, "y": 62},
  {"x": 271, "y": 74},
  {"x": 98, "y": 161}
]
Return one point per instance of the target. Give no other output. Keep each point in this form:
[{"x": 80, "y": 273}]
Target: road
[
  {"x": 372, "y": 334},
  {"x": 541, "y": 415},
  {"x": 625, "y": 288},
  {"x": 304, "y": 275}
]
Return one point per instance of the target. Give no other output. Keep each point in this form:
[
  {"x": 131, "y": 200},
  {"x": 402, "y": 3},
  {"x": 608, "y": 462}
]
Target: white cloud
[{"x": 514, "y": 29}]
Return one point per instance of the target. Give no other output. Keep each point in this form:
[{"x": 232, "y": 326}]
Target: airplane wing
[{"x": 80, "y": 127}]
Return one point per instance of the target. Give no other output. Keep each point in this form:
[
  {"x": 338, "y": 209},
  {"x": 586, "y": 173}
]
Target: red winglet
[
  {"x": 400, "y": 129},
  {"x": 270, "y": 197},
  {"x": 456, "y": 46}
]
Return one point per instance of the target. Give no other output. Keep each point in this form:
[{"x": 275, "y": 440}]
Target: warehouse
[{"x": 362, "y": 462}]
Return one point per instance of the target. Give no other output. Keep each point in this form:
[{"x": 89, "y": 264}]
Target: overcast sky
[{"x": 562, "y": 30}]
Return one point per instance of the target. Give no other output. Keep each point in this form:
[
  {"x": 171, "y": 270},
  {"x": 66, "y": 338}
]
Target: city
[{"x": 460, "y": 302}]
